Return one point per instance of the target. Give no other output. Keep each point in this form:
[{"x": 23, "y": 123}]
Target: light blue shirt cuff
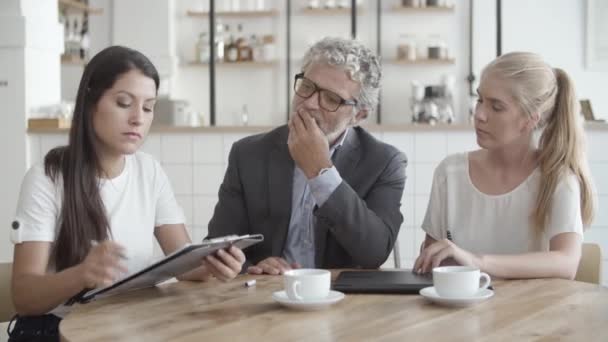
[{"x": 324, "y": 185}]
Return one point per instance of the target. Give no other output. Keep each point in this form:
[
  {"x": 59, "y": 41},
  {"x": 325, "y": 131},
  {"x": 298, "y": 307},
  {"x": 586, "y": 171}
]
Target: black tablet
[{"x": 386, "y": 281}]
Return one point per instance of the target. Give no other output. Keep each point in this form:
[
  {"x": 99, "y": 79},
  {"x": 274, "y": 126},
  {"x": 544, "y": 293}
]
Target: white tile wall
[
  {"x": 152, "y": 146},
  {"x": 33, "y": 145},
  {"x": 187, "y": 203},
  {"x": 461, "y": 142},
  {"x": 196, "y": 163},
  {"x": 203, "y": 209},
  {"x": 424, "y": 177},
  {"x": 230, "y": 139},
  {"x": 407, "y": 209},
  {"x": 599, "y": 172},
  {"x": 207, "y": 179},
  {"x": 601, "y": 214},
  {"x": 181, "y": 178},
  {"x": 421, "y": 202},
  {"x": 405, "y": 143},
  {"x": 198, "y": 233},
  {"x": 176, "y": 149},
  {"x": 48, "y": 142},
  {"x": 430, "y": 147},
  {"x": 208, "y": 149},
  {"x": 596, "y": 146}
]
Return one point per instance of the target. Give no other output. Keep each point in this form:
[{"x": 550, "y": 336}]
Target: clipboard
[{"x": 179, "y": 262}]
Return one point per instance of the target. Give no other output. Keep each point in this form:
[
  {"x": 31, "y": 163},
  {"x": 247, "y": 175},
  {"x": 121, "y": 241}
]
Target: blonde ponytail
[
  {"x": 562, "y": 149},
  {"x": 549, "y": 93}
]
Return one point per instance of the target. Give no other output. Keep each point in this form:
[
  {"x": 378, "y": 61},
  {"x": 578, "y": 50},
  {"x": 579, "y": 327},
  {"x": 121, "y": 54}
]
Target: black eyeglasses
[{"x": 328, "y": 100}]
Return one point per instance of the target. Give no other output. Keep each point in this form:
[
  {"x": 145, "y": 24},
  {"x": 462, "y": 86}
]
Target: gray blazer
[{"x": 356, "y": 227}]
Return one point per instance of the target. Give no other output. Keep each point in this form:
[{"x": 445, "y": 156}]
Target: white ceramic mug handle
[
  {"x": 486, "y": 278},
  {"x": 294, "y": 289}
]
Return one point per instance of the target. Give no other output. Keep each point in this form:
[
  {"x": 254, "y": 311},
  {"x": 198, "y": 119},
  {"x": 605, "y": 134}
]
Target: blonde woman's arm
[{"x": 561, "y": 261}]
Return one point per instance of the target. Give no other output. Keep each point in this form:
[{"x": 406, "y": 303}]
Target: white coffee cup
[
  {"x": 307, "y": 284},
  {"x": 459, "y": 281}
]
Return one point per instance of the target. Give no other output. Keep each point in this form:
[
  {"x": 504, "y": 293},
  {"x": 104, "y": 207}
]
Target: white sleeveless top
[{"x": 496, "y": 224}]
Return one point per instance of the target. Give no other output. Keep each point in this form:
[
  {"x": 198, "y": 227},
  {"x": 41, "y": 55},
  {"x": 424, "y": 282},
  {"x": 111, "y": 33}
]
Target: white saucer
[
  {"x": 481, "y": 295},
  {"x": 317, "y": 304}
]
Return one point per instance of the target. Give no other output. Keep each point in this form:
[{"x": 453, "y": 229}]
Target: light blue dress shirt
[{"x": 308, "y": 193}]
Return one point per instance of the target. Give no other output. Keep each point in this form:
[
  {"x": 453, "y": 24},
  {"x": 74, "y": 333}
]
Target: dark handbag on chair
[{"x": 34, "y": 329}]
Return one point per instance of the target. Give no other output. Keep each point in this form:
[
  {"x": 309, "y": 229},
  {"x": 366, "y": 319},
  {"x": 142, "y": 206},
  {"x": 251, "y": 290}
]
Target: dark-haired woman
[{"x": 89, "y": 214}]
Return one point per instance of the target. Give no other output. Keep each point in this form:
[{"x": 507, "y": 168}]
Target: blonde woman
[{"x": 514, "y": 208}]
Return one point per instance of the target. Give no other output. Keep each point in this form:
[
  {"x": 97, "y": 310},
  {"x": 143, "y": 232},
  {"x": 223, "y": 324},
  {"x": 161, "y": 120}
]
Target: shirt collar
[{"x": 339, "y": 143}]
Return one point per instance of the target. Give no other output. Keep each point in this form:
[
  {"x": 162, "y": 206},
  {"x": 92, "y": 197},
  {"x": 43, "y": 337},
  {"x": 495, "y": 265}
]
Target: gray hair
[{"x": 361, "y": 64}]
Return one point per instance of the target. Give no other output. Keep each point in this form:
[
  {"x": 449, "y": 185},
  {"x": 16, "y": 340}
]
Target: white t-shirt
[
  {"x": 136, "y": 201},
  {"x": 496, "y": 224}
]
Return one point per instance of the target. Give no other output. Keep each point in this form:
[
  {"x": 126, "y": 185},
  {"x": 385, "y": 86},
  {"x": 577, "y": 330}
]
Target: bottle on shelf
[
  {"x": 270, "y": 48},
  {"x": 219, "y": 42},
  {"x": 231, "y": 50},
  {"x": 257, "y": 49},
  {"x": 245, "y": 116},
  {"x": 202, "y": 48},
  {"x": 244, "y": 48},
  {"x": 85, "y": 44},
  {"x": 66, "y": 36},
  {"x": 74, "y": 40}
]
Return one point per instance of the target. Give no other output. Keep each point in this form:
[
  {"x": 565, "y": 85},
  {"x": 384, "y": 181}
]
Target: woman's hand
[
  {"x": 102, "y": 266},
  {"x": 433, "y": 255},
  {"x": 225, "y": 264}
]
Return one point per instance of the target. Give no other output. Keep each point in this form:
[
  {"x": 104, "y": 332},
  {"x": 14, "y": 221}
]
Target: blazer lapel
[
  {"x": 280, "y": 188},
  {"x": 345, "y": 159}
]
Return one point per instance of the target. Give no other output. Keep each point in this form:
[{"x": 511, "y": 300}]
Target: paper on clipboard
[{"x": 179, "y": 262}]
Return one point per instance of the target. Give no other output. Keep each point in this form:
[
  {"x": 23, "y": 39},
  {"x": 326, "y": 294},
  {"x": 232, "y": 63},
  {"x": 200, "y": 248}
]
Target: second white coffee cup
[
  {"x": 307, "y": 284},
  {"x": 459, "y": 281}
]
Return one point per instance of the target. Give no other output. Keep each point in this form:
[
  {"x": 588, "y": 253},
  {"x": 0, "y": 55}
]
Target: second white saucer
[
  {"x": 481, "y": 295},
  {"x": 318, "y": 304}
]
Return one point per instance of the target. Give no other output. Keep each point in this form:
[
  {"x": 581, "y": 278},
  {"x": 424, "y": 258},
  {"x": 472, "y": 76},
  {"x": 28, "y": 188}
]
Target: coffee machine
[{"x": 433, "y": 104}]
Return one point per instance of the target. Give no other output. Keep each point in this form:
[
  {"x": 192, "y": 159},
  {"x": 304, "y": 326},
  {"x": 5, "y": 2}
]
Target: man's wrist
[{"x": 317, "y": 171}]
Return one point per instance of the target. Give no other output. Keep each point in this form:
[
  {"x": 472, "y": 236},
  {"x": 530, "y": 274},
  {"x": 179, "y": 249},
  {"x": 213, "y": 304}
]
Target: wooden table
[{"x": 549, "y": 309}]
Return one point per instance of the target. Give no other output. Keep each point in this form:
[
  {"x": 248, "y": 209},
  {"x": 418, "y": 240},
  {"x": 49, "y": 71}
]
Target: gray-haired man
[{"x": 324, "y": 192}]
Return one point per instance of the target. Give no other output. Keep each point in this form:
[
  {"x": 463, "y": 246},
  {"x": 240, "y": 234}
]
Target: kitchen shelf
[
  {"x": 236, "y": 14},
  {"x": 431, "y": 9},
  {"x": 52, "y": 127},
  {"x": 422, "y": 62},
  {"x": 329, "y": 11},
  {"x": 235, "y": 64},
  {"x": 72, "y": 60},
  {"x": 79, "y": 6}
]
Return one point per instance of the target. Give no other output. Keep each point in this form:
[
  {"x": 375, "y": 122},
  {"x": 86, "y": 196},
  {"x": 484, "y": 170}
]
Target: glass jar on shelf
[
  {"x": 410, "y": 3},
  {"x": 260, "y": 5},
  {"x": 329, "y": 4},
  {"x": 406, "y": 50},
  {"x": 343, "y": 4},
  {"x": 436, "y": 47},
  {"x": 314, "y": 4}
]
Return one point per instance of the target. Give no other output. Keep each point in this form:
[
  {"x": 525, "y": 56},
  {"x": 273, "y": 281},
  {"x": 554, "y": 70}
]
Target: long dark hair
[{"x": 83, "y": 216}]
